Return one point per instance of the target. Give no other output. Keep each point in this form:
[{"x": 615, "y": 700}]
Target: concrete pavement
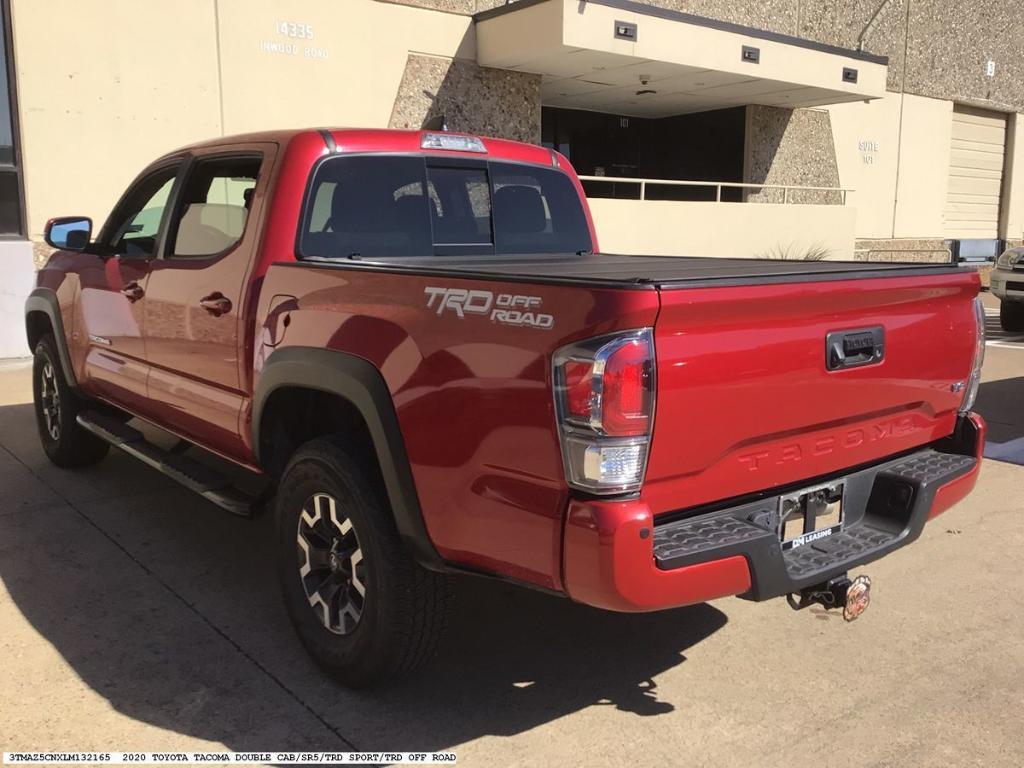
[{"x": 133, "y": 615}]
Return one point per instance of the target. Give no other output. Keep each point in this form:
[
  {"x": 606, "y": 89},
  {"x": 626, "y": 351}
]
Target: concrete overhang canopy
[{"x": 597, "y": 55}]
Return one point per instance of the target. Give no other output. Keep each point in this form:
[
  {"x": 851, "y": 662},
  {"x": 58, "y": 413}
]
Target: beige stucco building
[{"x": 881, "y": 129}]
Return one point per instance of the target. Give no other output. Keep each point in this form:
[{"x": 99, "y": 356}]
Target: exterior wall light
[{"x": 625, "y": 30}]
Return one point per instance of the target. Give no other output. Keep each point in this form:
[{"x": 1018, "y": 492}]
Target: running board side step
[{"x": 204, "y": 480}]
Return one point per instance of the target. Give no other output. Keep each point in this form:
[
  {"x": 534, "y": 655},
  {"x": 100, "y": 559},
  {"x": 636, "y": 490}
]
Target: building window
[{"x": 12, "y": 205}]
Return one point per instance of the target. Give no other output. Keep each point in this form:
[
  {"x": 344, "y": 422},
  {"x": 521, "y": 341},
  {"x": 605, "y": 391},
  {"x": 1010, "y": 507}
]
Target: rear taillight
[
  {"x": 604, "y": 399},
  {"x": 971, "y": 390}
]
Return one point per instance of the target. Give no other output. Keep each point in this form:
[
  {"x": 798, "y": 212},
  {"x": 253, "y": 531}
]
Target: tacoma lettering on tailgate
[{"x": 822, "y": 446}]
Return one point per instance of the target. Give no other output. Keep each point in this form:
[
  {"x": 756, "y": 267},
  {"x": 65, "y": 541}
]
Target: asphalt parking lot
[{"x": 135, "y": 616}]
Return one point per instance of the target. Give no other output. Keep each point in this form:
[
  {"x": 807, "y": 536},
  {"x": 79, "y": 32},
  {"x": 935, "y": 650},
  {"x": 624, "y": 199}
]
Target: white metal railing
[
  {"x": 868, "y": 253},
  {"x": 718, "y": 185}
]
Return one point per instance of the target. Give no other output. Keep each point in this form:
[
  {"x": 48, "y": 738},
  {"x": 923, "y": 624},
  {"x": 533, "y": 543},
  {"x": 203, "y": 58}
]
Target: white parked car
[{"x": 1008, "y": 285}]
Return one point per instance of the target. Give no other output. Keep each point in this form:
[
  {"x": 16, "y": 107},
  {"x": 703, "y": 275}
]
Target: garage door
[{"x": 975, "y": 173}]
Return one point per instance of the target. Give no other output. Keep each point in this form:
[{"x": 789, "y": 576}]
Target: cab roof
[{"x": 386, "y": 140}]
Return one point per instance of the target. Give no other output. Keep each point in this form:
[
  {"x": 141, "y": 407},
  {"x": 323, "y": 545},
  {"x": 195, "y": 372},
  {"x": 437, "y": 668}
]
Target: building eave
[{"x": 688, "y": 62}]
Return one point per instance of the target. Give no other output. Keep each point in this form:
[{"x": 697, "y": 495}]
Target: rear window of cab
[{"x": 375, "y": 206}]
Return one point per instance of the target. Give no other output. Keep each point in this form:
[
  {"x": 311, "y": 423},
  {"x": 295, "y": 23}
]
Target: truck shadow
[
  {"x": 514, "y": 660},
  {"x": 169, "y": 609}
]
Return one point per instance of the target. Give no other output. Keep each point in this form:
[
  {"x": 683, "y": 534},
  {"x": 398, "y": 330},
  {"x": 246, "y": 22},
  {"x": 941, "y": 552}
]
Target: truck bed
[
  {"x": 746, "y": 404},
  {"x": 621, "y": 271}
]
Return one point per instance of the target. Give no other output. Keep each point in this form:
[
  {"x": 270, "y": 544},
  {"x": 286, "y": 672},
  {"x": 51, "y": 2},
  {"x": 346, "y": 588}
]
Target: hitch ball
[{"x": 857, "y": 597}]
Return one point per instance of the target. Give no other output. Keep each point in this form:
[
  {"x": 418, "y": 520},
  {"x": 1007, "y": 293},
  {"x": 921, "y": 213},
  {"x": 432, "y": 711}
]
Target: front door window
[{"x": 135, "y": 225}]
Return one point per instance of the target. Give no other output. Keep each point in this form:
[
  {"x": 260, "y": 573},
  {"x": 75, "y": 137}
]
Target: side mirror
[{"x": 69, "y": 233}]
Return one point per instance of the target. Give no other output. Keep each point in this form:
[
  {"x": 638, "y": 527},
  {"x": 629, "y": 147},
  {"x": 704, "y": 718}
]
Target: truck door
[
  {"x": 195, "y": 295},
  {"x": 113, "y": 287}
]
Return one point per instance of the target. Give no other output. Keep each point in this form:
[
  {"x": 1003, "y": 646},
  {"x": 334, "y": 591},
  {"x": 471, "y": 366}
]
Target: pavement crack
[{"x": 190, "y": 606}]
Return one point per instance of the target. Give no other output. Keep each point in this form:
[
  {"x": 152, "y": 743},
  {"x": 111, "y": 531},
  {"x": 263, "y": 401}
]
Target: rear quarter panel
[{"x": 473, "y": 397}]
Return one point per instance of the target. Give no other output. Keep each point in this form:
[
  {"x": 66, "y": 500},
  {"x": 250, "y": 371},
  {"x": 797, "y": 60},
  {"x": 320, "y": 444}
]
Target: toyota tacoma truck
[{"x": 411, "y": 348}]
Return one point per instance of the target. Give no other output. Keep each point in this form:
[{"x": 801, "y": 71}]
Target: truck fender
[
  {"x": 45, "y": 300},
  {"x": 360, "y": 383}
]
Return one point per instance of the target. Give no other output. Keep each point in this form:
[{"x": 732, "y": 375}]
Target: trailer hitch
[{"x": 853, "y": 597}]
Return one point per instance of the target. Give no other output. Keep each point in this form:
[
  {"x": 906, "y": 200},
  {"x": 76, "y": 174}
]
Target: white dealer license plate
[{"x": 810, "y": 514}]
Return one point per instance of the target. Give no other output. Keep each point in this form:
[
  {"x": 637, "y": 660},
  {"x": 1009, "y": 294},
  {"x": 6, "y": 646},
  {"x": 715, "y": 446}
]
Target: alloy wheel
[
  {"x": 331, "y": 564},
  {"x": 49, "y": 398}
]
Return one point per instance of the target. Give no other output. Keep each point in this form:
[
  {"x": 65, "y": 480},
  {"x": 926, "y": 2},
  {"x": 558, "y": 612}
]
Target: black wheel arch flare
[
  {"x": 359, "y": 382},
  {"x": 44, "y": 300}
]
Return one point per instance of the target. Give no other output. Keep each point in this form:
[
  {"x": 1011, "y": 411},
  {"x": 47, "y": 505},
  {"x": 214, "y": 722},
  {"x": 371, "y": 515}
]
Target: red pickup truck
[{"x": 411, "y": 345}]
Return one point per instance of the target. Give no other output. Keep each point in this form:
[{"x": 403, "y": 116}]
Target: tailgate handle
[{"x": 849, "y": 349}]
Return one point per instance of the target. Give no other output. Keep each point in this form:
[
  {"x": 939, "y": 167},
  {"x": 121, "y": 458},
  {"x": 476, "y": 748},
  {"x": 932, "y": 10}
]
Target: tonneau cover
[{"x": 614, "y": 270}]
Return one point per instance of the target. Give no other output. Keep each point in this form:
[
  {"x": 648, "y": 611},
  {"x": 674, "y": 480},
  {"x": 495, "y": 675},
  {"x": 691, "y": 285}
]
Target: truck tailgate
[{"x": 745, "y": 402}]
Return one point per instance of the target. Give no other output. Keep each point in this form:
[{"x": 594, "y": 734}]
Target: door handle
[
  {"x": 133, "y": 291},
  {"x": 216, "y": 304}
]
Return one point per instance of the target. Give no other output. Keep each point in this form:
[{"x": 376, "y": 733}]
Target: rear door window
[
  {"x": 374, "y": 206},
  {"x": 214, "y": 207}
]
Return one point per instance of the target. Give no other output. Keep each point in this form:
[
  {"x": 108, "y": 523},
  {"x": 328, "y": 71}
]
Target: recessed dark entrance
[{"x": 705, "y": 146}]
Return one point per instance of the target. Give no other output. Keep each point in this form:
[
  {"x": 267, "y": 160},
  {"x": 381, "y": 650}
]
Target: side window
[
  {"x": 214, "y": 207},
  {"x": 136, "y": 222}
]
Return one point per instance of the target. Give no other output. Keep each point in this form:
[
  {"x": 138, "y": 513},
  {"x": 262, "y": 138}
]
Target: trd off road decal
[{"x": 506, "y": 308}]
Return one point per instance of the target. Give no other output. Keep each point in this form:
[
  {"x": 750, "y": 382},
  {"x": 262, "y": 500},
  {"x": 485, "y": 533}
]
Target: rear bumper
[{"x": 616, "y": 556}]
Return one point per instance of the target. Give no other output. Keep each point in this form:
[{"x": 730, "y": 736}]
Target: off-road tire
[
  {"x": 57, "y": 407},
  {"x": 404, "y": 609},
  {"x": 1011, "y": 316}
]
